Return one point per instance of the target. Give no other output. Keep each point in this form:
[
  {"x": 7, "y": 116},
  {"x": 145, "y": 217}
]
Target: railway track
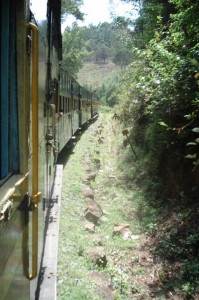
[{"x": 93, "y": 262}]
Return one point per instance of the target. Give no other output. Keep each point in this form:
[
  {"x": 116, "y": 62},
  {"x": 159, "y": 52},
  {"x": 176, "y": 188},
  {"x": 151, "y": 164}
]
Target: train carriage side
[
  {"x": 64, "y": 110},
  {"x": 86, "y": 105},
  {"x": 15, "y": 104},
  {"x": 94, "y": 105},
  {"x": 75, "y": 94},
  {"x": 27, "y": 134}
]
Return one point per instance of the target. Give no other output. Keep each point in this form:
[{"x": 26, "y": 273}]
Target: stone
[
  {"x": 97, "y": 239},
  {"x": 97, "y": 163},
  {"x": 98, "y": 256},
  {"x": 122, "y": 229},
  {"x": 88, "y": 193},
  {"x": 90, "y": 227},
  {"x": 93, "y": 212},
  {"x": 101, "y": 140},
  {"x": 104, "y": 287},
  {"x": 90, "y": 177}
]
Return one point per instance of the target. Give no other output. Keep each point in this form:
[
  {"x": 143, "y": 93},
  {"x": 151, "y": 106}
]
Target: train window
[
  {"x": 61, "y": 104},
  {"x": 9, "y": 145},
  {"x": 74, "y": 104},
  {"x": 65, "y": 104},
  {"x": 68, "y": 104},
  {"x": 60, "y": 79},
  {"x": 68, "y": 85}
]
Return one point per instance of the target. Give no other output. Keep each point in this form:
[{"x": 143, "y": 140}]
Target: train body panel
[
  {"x": 13, "y": 155},
  {"x": 41, "y": 108},
  {"x": 64, "y": 129}
]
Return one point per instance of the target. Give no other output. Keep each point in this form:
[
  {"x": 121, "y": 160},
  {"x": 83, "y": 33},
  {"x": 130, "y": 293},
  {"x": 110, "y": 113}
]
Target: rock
[
  {"x": 88, "y": 193},
  {"x": 97, "y": 163},
  {"x": 97, "y": 152},
  {"x": 90, "y": 227},
  {"x": 104, "y": 287},
  {"x": 90, "y": 177},
  {"x": 97, "y": 239},
  {"x": 122, "y": 229},
  {"x": 98, "y": 256},
  {"x": 101, "y": 140},
  {"x": 93, "y": 212}
]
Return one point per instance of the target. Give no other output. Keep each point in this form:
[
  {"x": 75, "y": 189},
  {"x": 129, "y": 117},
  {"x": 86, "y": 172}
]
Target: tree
[
  {"x": 74, "y": 50},
  {"x": 71, "y": 7},
  {"x": 101, "y": 53}
]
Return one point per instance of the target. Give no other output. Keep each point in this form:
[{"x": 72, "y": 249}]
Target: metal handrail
[{"x": 35, "y": 193}]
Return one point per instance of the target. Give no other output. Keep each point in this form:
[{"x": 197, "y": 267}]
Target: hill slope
[{"x": 93, "y": 74}]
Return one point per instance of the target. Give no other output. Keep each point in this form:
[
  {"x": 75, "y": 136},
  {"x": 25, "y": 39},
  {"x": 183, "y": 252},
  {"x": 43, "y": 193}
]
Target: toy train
[{"x": 41, "y": 108}]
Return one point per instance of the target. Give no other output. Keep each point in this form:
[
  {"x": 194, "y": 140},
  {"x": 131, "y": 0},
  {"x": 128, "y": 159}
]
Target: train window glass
[
  {"x": 68, "y": 104},
  {"x": 64, "y": 83},
  {"x": 68, "y": 85},
  {"x": 62, "y": 104},
  {"x": 60, "y": 79},
  {"x": 65, "y": 104},
  {"x": 59, "y": 103},
  {"x": 9, "y": 147}
]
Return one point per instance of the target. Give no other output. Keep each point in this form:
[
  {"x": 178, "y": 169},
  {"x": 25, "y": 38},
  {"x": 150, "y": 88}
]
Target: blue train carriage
[
  {"x": 76, "y": 105},
  {"x": 85, "y": 106},
  {"x": 68, "y": 108},
  {"x": 28, "y": 145},
  {"x": 64, "y": 110},
  {"x": 95, "y": 104}
]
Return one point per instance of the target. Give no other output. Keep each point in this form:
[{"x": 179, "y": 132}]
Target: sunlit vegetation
[
  {"x": 155, "y": 97},
  {"x": 157, "y": 100}
]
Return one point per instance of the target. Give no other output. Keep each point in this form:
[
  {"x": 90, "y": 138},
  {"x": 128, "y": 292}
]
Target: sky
[{"x": 96, "y": 11}]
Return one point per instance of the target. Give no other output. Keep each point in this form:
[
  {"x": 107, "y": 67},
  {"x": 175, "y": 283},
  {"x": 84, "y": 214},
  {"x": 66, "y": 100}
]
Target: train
[{"x": 41, "y": 109}]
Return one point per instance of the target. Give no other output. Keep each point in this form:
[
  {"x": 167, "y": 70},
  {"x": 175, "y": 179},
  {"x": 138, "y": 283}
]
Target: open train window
[
  {"x": 62, "y": 104},
  {"x": 9, "y": 147},
  {"x": 68, "y": 104}
]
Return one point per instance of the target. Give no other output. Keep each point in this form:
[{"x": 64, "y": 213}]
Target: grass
[
  {"x": 160, "y": 262},
  {"x": 112, "y": 194},
  {"x": 93, "y": 74}
]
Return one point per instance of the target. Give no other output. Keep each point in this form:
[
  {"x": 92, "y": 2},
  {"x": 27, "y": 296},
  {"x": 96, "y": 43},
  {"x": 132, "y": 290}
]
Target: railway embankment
[{"x": 104, "y": 251}]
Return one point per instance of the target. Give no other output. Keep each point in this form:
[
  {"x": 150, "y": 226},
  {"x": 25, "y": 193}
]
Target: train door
[
  {"x": 72, "y": 109},
  {"x": 80, "y": 106},
  {"x": 14, "y": 199},
  {"x": 37, "y": 61}
]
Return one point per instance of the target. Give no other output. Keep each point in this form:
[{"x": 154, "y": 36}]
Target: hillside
[{"x": 93, "y": 74}]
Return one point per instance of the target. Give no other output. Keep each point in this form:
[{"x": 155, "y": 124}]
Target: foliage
[
  {"x": 72, "y": 7},
  {"x": 108, "y": 41},
  {"x": 74, "y": 49},
  {"x": 100, "y": 44},
  {"x": 158, "y": 101},
  {"x": 161, "y": 86},
  {"x": 106, "y": 90}
]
